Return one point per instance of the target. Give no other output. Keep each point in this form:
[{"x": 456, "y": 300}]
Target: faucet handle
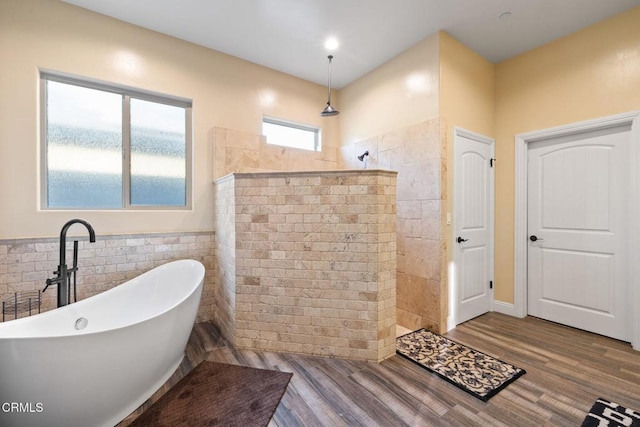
[{"x": 50, "y": 282}]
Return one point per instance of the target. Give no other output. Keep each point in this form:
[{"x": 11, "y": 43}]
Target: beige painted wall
[
  {"x": 467, "y": 100},
  {"x": 466, "y": 88},
  {"x": 227, "y": 92},
  {"x": 592, "y": 73},
  {"x": 399, "y": 93}
]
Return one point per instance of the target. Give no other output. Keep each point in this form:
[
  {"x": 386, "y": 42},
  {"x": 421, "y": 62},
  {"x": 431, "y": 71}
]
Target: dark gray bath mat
[{"x": 217, "y": 394}]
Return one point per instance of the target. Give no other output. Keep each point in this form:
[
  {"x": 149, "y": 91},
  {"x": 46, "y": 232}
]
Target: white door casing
[
  {"x": 578, "y": 230},
  {"x": 473, "y": 225},
  {"x": 521, "y": 237}
]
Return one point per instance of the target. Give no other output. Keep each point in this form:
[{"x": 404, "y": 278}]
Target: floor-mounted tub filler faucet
[{"x": 63, "y": 274}]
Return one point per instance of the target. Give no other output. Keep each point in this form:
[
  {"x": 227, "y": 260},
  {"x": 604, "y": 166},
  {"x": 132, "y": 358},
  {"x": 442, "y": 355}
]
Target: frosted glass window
[
  {"x": 158, "y": 154},
  {"x": 288, "y": 134},
  {"x": 84, "y": 147},
  {"x": 113, "y": 148}
]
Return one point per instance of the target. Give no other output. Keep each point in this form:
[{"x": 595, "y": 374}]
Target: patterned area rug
[
  {"x": 604, "y": 413},
  {"x": 474, "y": 372},
  {"x": 217, "y": 394}
]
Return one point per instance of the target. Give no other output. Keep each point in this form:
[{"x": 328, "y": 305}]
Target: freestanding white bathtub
[{"x": 93, "y": 362}]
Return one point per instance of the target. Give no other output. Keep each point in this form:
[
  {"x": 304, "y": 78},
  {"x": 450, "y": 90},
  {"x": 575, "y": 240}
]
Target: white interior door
[
  {"x": 578, "y": 199},
  {"x": 473, "y": 222}
]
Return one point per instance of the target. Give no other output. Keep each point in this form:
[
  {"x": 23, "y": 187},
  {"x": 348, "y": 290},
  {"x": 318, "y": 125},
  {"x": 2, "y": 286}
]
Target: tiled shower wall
[
  {"x": 225, "y": 273},
  {"x": 236, "y": 151},
  {"x": 417, "y": 154},
  {"x": 315, "y": 261},
  {"x": 25, "y": 264}
]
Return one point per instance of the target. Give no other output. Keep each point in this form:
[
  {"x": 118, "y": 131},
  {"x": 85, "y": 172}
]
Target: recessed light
[
  {"x": 331, "y": 43},
  {"x": 504, "y": 16}
]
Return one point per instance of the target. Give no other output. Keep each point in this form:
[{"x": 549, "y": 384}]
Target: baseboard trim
[
  {"x": 504, "y": 308},
  {"x": 451, "y": 323}
]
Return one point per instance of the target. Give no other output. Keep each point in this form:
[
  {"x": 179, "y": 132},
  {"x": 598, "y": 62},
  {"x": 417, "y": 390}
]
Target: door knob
[
  {"x": 534, "y": 238},
  {"x": 460, "y": 239}
]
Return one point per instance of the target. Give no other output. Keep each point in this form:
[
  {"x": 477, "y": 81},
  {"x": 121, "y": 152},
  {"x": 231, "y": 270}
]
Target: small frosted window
[
  {"x": 84, "y": 147},
  {"x": 280, "y": 132},
  {"x": 158, "y": 154},
  {"x": 113, "y": 148}
]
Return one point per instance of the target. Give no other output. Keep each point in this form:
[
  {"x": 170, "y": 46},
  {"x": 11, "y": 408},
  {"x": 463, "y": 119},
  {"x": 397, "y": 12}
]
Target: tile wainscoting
[{"x": 25, "y": 264}]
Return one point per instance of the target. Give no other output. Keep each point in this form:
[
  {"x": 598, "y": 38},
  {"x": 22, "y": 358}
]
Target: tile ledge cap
[{"x": 281, "y": 174}]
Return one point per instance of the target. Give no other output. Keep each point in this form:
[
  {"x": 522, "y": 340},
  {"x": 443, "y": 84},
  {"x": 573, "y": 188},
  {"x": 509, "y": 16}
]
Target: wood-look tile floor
[{"x": 567, "y": 369}]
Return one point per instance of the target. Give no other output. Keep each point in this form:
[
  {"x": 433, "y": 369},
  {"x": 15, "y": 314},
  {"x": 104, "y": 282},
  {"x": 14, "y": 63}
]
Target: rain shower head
[{"x": 329, "y": 110}]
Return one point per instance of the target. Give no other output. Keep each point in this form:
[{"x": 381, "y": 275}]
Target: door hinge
[
  {"x": 491, "y": 161},
  {"x": 490, "y": 284}
]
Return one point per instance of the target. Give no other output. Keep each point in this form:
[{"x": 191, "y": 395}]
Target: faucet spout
[{"x": 63, "y": 236}]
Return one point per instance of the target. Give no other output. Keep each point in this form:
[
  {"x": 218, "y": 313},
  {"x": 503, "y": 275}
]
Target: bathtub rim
[{"x": 16, "y": 323}]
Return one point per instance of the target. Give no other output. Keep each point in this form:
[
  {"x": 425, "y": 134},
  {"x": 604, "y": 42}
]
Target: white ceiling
[{"x": 289, "y": 35}]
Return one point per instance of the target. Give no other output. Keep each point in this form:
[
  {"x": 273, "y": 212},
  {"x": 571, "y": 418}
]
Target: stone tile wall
[
  {"x": 25, "y": 264},
  {"x": 225, "y": 252},
  {"x": 315, "y": 262},
  {"x": 237, "y": 151},
  {"x": 416, "y": 153}
]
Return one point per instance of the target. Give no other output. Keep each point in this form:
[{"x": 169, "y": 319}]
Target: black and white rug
[
  {"x": 604, "y": 413},
  {"x": 475, "y": 372}
]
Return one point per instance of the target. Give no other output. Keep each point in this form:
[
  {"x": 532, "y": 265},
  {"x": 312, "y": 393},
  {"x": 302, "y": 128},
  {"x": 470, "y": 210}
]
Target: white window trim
[
  {"x": 127, "y": 92},
  {"x": 317, "y": 131}
]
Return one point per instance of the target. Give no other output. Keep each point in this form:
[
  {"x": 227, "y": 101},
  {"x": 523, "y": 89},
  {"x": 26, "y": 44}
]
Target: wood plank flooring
[{"x": 567, "y": 369}]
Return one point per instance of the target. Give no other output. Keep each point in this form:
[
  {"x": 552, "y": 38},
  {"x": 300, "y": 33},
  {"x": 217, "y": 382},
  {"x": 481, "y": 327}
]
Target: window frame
[
  {"x": 317, "y": 132},
  {"x": 127, "y": 94}
]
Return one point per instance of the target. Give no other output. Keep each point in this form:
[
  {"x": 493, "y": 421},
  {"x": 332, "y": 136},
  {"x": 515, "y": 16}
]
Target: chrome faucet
[{"x": 63, "y": 277}]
